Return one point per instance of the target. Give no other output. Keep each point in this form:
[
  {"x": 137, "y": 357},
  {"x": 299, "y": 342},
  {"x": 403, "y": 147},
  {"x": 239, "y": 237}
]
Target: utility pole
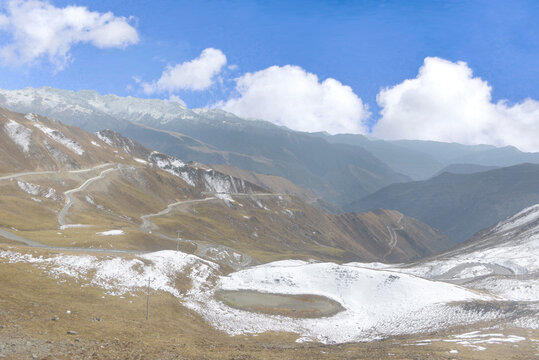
[
  {"x": 148, "y": 299},
  {"x": 178, "y": 244}
]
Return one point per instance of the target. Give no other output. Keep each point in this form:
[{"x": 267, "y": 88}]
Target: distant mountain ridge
[
  {"x": 422, "y": 160},
  {"x": 459, "y": 205},
  {"x": 465, "y": 169}
]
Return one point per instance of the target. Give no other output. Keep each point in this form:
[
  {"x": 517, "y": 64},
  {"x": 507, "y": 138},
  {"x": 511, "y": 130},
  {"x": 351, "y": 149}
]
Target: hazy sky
[{"x": 444, "y": 70}]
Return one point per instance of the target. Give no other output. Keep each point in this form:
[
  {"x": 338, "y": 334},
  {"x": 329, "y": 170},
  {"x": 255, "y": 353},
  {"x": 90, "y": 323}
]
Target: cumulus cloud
[
  {"x": 197, "y": 74},
  {"x": 292, "y": 97},
  {"x": 445, "y": 102},
  {"x": 40, "y": 30}
]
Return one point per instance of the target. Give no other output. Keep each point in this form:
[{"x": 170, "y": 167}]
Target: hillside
[
  {"x": 278, "y": 184},
  {"x": 104, "y": 191},
  {"x": 459, "y": 205},
  {"x": 501, "y": 259},
  {"x": 409, "y": 238},
  {"x": 336, "y": 173},
  {"x": 274, "y": 183}
]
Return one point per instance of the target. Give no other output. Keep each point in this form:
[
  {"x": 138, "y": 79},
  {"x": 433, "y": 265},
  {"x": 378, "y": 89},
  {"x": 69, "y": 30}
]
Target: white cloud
[
  {"x": 197, "y": 74},
  {"x": 446, "y": 103},
  {"x": 292, "y": 97},
  {"x": 41, "y": 30}
]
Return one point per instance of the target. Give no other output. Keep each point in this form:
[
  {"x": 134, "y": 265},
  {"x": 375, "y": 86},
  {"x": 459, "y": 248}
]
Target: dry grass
[
  {"x": 266, "y": 235},
  {"x": 87, "y": 237}
]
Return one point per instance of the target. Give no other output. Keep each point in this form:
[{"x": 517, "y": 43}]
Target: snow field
[{"x": 377, "y": 303}]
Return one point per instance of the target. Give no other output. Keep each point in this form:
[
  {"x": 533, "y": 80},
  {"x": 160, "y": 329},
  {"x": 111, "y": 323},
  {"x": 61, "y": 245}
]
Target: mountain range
[
  {"x": 421, "y": 160},
  {"x": 59, "y": 180},
  {"x": 335, "y": 173}
]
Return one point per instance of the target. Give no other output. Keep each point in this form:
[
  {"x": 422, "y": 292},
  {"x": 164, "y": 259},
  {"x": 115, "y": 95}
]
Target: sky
[{"x": 463, "y": 71}]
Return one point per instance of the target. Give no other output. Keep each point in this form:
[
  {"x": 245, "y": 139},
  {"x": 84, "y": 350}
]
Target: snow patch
[
  {"x": 377, "y": 303},
  {"x": 104, "y": 138},
  {"x": 120, "y": 276},
  {"x": 69, "y": 226},
  {"x": 473, "y": 272},
  {"x": 20, "y": 134},
  {"x": 511, "y": 288},
  {"x": 171, "y": 165},
  {"x": 60, "y": 138},
  {"x": 474, "y": 338},
  {"x": 37, "y": 190},
  {"x": 519, "y": 256},
  {"x": 31, "y": 117},
  {"x": 140, "y": 161},
  {"x": 262, "y": 206},
  {"x": 111, "y": 233}
]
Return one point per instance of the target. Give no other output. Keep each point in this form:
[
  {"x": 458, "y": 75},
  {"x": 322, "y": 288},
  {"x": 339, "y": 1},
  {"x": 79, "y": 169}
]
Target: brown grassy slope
[
  {"x": 414, "y": 239},
  {"x": 272, "y": 228},
  {"x": 47, "y": 154}
]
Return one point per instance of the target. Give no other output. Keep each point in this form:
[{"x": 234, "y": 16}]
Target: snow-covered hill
[
  {"x": 376, "y": 303},
  {"x": 504, "y": 260}
]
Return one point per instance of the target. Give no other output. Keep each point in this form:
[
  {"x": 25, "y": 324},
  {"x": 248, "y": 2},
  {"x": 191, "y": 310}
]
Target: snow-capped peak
[{"x": 64, "y": 104}]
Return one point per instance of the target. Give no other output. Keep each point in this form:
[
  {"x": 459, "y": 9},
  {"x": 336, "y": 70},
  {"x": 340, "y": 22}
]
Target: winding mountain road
[
  {"x": 49, "y": 172},
  {"x": 393, "y": 237},
  {"x": 203, "y": 248},
  {"x": 69, "y": 194},
  {"x": 147, "y": 224},
  {"x": 36, "y": 244},
  {"x": 496, "y": 270}
]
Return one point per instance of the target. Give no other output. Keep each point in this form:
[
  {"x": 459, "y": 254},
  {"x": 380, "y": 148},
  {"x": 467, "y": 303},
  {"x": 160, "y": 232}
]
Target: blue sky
[{"x": 367, "y": 45}]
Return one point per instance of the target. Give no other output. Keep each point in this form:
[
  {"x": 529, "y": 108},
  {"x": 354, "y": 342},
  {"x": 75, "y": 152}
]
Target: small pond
[{"x": 301, "y": 306}]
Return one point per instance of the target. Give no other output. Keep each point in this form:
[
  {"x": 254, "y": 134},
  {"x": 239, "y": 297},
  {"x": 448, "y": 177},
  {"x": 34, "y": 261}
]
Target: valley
[{"x": 269, "y": 180}]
